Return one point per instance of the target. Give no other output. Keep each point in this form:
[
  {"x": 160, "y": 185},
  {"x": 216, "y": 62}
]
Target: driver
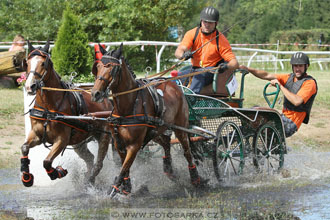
[
  {"x": 217, "y": 52},
  {"x": 299, "y": 90}
]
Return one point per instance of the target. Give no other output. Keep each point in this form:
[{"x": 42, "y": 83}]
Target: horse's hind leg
[
  {"x": 103, "y": 147},
  {"x": 164, "y": 141},
  {"x": 32, "y": 140},
  {"x": 85, "y": 154},
  {"x": 195, "y": 178}
]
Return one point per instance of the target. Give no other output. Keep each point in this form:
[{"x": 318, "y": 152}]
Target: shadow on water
[{"x": 303, "y": 194}]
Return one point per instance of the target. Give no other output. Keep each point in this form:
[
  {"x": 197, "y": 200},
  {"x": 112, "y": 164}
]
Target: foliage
[
  {"x": 257, "y": 19},
  {"x": 303, "y": 36},
  {"x": 133, "y": 20},
  {"x": 34, "y": 19},
  {"x": 71, "y": 52},
  {"x": 243, "y": 21}
]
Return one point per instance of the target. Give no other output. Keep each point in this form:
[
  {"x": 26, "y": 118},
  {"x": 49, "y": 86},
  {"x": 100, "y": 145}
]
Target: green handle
[{"x": 266, "y": 94}]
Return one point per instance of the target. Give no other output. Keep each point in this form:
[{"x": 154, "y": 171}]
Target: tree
[{"x": 71, "y": 52}]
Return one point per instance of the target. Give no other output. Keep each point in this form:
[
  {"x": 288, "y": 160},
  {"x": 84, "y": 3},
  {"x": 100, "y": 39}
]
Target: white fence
[{"x": 259, "y": 55}]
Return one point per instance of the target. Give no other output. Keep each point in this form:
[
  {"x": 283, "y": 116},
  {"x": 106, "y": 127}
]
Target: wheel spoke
[
  {"x": 224, "y": 159},
  {"x": 275, "y": 158},
  {"x": 232, "y": 138},
  {"x": 274, "y": 148},
  {"x": 264, "y": 144},
  {"x": 232, "y": 164}
]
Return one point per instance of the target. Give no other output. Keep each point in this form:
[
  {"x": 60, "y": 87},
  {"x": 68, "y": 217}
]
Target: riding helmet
[
  {"x": 299, "y": 58},
  {"x": 209, "y": 14}
]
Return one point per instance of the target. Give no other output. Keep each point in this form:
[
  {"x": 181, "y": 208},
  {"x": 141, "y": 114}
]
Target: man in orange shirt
[
  {"x": 215, "y": 53},
  {"x": 299, "y": 90}
]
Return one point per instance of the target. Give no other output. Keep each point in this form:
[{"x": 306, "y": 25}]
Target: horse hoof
[
  {"x": 122, "y": 197},
  {"x": 200, "y": 182},
  {"x": 113, "y": 191},
  {"x": 171, "y": 176},
  {"x": 61, "y": 172},
  {"x": 27, "y": 179}
]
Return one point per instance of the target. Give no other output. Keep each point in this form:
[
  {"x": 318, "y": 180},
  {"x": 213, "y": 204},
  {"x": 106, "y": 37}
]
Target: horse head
[
  {"x": 36, "y": 66},
  {"x": 107, "y": 73}
]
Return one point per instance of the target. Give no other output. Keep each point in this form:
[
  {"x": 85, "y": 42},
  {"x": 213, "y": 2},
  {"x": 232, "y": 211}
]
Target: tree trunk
[{"x": 11, "y": 62}]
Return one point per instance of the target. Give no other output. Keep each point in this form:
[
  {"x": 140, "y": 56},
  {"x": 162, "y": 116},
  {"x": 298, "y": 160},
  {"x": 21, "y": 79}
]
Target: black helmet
[
  {"x": 210, "y": 14},
  {"x": 299, "y": 58}
]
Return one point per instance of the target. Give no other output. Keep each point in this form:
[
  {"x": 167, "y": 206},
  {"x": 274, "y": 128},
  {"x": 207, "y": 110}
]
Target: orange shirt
[
  {"x": 306, "y": 91},
  {"x": 209, "y": 54}
]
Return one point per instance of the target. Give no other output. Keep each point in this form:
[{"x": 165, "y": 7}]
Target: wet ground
[{"x": 303, "y": 193}]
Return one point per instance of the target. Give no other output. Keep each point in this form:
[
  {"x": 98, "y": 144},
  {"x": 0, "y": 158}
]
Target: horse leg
[
  {"x": 57, "y": 172},
  {"x": 32, "y": 141},
  {"x": 164, "y": 141},
  {"x": 196, "y": 180},
  {"x": 123, "y": 177},
  {"x": 103, "y": 143},
  {"x": 85, "y": 154}
]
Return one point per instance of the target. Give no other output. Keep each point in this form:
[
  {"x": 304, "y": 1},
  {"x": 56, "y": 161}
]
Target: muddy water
[{"x": 304, "y": 192}]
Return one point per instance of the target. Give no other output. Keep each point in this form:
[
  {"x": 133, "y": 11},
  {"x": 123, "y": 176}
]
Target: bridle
[
  {"x": 107, "y": 61},
  {"x": 40, "y": 82}
]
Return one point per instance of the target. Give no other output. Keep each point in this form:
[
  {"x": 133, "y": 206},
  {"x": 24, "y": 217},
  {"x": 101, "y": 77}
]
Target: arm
[
  {"x": 179, "y": 51},
  {"x": 293, "y": 98},
  {"x": 259, "y": 73},
  {"x": 232, "y": 64}
]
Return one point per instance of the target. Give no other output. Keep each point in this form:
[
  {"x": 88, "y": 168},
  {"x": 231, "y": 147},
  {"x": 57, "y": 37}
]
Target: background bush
[{"x": 71, "y": 52}]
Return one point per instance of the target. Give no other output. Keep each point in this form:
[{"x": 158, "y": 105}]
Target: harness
[
  {"x": 43, "y": 114},
  {"x": 294, "y": 87}
]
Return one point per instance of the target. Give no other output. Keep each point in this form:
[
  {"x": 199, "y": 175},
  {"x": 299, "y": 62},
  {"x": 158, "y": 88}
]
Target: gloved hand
[
  {"x": 222, "y": 68},
  {"x": 187, "y": 55}
]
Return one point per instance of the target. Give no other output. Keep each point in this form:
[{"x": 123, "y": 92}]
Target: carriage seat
[{"x": 218, "y": 89}]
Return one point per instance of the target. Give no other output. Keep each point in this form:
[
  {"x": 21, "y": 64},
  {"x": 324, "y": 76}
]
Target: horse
[
  {"x": 135, "y": 119},
  {"x": 46, "y": 128}
]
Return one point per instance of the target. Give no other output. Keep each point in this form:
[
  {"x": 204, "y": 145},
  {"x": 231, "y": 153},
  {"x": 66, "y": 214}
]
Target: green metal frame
[{"x": 276, "y": 93}]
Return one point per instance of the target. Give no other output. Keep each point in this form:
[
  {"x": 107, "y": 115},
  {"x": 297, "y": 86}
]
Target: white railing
[{"x": 255, "y": 57}]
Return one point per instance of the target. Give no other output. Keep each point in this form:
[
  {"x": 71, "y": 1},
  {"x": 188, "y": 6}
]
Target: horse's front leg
[
  {"x": 32, "y": 141},
  {"x": 123, "y": 177},
  {"x": 57, "y": 172}
]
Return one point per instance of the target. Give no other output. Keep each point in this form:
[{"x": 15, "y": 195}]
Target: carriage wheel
[
  {"x": 268, "y": 150},
  {"x": 228, "y": 157}
]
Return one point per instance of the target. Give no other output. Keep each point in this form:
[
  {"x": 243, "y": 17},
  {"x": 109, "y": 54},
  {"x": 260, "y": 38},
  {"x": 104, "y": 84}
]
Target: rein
[
  {"x": 139, "y": 88},
  {"x": 166, "y": 80}
]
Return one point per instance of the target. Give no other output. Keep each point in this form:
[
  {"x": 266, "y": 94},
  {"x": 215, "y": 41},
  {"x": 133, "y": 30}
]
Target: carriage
[
  {"x": 236, "y": 134},
  {"x": 233, "y": 136}
]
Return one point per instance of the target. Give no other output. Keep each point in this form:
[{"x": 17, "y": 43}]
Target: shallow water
[{"x": 304, "y": 194}]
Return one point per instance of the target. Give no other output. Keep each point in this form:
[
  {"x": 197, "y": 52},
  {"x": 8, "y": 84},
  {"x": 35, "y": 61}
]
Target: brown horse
[
  {"x": 135, "y": 120},
  {"x": 60, "y": 133}
]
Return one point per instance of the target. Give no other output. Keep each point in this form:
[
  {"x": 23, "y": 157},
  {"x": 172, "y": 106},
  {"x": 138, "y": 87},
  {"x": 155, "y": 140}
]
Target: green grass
[{"x": 12, "y": 101}]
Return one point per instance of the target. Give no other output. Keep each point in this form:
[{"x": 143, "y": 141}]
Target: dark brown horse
[
  {"x": 45, "y": 128},
  {"x": 135, "y": 119}
]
